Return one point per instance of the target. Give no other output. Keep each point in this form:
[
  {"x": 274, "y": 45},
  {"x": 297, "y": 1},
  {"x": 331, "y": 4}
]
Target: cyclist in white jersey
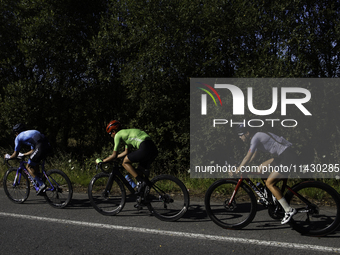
[{"x": 282, "y": 154}]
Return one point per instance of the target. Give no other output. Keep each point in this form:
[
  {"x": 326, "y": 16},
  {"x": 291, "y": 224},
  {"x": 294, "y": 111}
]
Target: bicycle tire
[
  {"x": 106, "y": 204},
  {"x": 168, "y": 198},
  {"x": 59, "y": 191},
  {"x": 323, "y": 216},
  {"x": 239, "y": 214},
  {"x": 18, "y": 192}
]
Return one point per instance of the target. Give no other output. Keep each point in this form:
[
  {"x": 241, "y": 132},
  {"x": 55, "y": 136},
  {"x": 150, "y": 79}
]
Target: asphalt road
[{"x": 36, "y": 228}]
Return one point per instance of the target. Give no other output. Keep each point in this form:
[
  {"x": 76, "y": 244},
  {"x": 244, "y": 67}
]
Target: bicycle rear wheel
[
  {"x": 16, "y": 186},
  {"x": 59, "y": 191},
  {"x": 106, "y": 200},
  {"x": 319, "y": 215},
  {"x": 168, "y": 198},
  {"x": 236, "y": 215}
]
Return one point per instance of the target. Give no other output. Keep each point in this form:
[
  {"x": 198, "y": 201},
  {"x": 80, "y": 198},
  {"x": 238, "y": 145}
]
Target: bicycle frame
[
  {"x": 115, "y": 173},
  {"x": 251, "y": 184},
  {"x": 23, "y": 168},
  {"x": 260, "y": 193}
]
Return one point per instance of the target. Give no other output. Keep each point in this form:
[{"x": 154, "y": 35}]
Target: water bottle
[{"x": 131, "y": 182}]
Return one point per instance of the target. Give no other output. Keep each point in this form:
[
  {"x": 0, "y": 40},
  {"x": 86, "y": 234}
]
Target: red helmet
[{"x": 113, "y": 125}]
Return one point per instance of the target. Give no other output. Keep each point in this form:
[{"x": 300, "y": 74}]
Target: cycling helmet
[
  {"x": 18, "y": 128},
  {"x": 241, "y": 129},
  {"x": 113, "y": 125}
]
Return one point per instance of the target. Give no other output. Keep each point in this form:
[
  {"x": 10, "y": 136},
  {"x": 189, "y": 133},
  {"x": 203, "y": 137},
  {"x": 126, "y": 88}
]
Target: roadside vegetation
[{"x": 67, "y": 68}]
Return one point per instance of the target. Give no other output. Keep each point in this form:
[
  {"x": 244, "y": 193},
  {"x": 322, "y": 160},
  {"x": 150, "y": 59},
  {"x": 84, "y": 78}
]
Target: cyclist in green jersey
[{"x": 145, "y": 152}]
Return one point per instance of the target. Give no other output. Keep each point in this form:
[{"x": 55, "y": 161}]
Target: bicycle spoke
[
  {"x": 59, "y": 189},
  {"x": 168, "y": 199},
  {"x": 234, "y": 214},
  {"x": 321, "y": 215},
  {"x": 107, "y": 199}
]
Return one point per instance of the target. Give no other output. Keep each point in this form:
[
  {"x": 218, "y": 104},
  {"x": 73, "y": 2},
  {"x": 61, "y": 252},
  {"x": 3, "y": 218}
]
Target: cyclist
[
  {"x": 282, "y": 154},
  {"x": 40, "y": 148},
  {"x": 132, "y": 138}
]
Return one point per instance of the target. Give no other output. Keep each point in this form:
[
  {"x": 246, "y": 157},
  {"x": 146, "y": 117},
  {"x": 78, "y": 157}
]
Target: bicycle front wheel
[
  {"x": 16, "y": 186},
  {"x": 108, "y": 199},
  {"x": 235, "y": 214},
  {"x": 168, "y": 198},
  {"x": 59, "y": 191},
  {"x": 319, "y": 210}
]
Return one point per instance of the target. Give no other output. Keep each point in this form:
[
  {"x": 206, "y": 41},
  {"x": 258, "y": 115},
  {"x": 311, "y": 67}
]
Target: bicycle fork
[
  {"x": 108, "y": 187},
  {"x": 231, "y": 203}
]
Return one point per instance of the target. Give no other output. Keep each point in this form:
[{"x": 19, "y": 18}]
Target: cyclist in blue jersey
[
  {"x": 282, "y": 154},
  {"x": 39, "y": 150},
  {"x": 145, "y": 150}
]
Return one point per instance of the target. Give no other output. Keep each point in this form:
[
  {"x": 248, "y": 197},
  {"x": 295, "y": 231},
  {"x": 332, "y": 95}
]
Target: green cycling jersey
[{"x": 130, "y": 137}]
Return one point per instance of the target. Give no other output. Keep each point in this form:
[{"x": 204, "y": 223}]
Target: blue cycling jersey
[{"x": 29, "y": 137}]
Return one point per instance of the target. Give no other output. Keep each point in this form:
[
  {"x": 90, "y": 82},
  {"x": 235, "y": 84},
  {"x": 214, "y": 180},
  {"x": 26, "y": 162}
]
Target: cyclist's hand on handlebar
[
  {"x": 7, "y": 156},
  {"x": 99, "y": 161}
]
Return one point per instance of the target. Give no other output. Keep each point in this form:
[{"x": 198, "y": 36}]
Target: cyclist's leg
[
  {"x": 145, "y": 155},
  {"x": 33, "y": 161},
  {"x": 127, "y": 164},
  {"x": 272, "y": 180},
  {"x": 33, "y": 165},
  {"x": 287, "y": 158},
  {"x": 33, "y": 169}
]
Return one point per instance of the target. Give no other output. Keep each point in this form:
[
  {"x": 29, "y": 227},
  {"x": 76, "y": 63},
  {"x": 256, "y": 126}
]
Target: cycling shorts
[
  {"x": 145, "y": 155},
  {"x": 41, "y": 150},
  {"x": 287, "y": 158}
]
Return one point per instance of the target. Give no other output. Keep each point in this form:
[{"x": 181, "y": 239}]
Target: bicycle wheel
[
  {"x": 168, "y": 198},
  {"x": 319, "y": 214},
  {"x": 17, "y": 187},
  {"x": 109, "y": 202},
  {"x": 59, "y": 189},
  {"x": 239, "y": 213}
]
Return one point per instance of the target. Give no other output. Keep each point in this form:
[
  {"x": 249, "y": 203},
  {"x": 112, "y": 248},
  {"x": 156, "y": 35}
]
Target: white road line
[{"x": 179, "y": 234}]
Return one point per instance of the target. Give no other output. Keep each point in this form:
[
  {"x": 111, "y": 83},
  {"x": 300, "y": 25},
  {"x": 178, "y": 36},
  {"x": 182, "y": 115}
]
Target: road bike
[
  {"x": 165, "y": 196},
  {"x": 58, "y": 192},
  {"x": 231, "y": 204}
]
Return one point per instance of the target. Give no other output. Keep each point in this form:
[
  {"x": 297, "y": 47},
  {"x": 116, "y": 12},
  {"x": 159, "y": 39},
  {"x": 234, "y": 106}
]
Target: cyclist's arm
[
  {"x": 111, "y": 157},
  {"x": 115, "y": 155},
  {"x": 28, "y": 153},
  {"x": 246, "y": 160},
  {"x": 253, "y": 157},
  {"x": 14, "y": 155},
  {"x": 124, "y": 153}
]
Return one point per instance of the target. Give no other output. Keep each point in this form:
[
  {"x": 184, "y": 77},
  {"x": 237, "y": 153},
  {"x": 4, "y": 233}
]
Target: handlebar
[
  {"x": 20, "y": 159},
  {"x": 106, "y": 167}
]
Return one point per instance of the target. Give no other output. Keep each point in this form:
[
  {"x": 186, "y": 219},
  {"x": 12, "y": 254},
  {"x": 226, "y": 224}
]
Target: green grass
[{"x": 81, "y": 173}]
